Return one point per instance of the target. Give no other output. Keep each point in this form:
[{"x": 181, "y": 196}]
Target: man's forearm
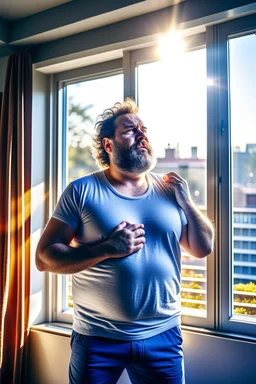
[{"x": 64, "y": 259}]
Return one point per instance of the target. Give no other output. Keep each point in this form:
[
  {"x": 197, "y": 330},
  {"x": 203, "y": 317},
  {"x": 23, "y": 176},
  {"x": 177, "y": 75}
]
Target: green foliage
[
  {"x": 250, "y": 287},
  {"x": 192, "y": 305},
  {"x": 80, "y": 160},
  {"x": 246, "y": 300},
  {"x": 191, "y": 273},
  {"x": 186, "y": 295},
  {"x": 245, "y": 311},
  {"x": 240, "y": 311},
  {"x": 78, "y": 119},
  {"x": 191, "y": 285}
]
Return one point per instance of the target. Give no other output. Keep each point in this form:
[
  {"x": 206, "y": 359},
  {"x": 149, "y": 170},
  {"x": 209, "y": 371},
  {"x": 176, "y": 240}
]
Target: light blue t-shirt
[{"x": 137, "y": 296}]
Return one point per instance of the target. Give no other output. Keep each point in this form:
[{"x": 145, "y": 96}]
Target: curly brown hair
[{"x": 105, "y": 127}]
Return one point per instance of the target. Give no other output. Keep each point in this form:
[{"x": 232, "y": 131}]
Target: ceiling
[
  {"x": 28, "y": 22},
  {"x": 11, "y": 10},
  {"x": 82, "y": 29}
]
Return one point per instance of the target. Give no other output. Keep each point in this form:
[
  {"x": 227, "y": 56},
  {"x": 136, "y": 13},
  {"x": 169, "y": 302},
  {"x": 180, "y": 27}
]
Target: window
[
  {"x": 181, "y": 102},
  {"x": 237, "y": 256},
  {"x": 253, "y": 218},
  {"x": 245, "y": 232},
  {"x": 200, "y": 116},
  {"x": 82, "y": 113},
  {"x": 236, "y": 218},
  {"x": 237, "y": 231},
  {"x": 82, "y": 101},
  {"x": 237, "y": 244},
  {"x": 243, "y": 117}
]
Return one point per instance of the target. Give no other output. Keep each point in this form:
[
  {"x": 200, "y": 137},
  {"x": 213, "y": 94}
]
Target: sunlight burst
[{"x": 171, "y": 46}]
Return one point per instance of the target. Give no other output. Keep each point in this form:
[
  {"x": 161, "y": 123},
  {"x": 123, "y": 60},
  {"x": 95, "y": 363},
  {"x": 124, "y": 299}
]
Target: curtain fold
[{"x": 15, "y": 184}]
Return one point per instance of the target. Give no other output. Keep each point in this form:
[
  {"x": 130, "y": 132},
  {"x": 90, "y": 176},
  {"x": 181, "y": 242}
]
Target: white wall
[{"x": 208, "y": 360}]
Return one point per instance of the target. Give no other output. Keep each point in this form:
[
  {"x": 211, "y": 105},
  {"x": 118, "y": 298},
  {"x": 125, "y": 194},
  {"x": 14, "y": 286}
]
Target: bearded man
[{"x": 119, "y": 232}]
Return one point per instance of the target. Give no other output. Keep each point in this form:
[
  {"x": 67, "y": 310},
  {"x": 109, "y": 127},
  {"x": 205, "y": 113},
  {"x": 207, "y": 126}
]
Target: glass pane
[
  {"x": 85, "y": 101},
  {"x": 243, "y": 121},
  {"x": 172, "y": 103}
]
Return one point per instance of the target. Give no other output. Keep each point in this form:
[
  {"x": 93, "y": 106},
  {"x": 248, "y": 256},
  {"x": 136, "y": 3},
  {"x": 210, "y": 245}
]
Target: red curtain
[{"x": 15, "y": 184}]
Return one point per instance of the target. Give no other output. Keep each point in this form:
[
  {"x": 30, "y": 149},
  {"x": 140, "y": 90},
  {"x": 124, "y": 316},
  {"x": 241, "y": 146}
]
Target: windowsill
[
  {"x": 219, "y": 334},
  {"x": 65, "y": 329},
  {"x": 56, "y": 328}
]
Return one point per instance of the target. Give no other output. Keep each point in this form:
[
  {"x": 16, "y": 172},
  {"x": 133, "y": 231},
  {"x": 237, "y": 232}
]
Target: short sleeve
[
  {"x": 67, "y": 207},
  {"x": 182, "y": 216}
]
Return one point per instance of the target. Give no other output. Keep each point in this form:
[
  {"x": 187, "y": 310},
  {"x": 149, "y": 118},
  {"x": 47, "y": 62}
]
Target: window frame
[
  {"x": 219, "y": 266},
  {"x": 220, "y": 37},
  {"x": 149, "y": 55},
  {"x": 59, "y": 170}
]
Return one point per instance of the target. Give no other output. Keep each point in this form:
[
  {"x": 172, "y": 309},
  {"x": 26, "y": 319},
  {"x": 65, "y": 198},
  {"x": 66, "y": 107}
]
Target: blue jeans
[{"x": 99, "y": 360}]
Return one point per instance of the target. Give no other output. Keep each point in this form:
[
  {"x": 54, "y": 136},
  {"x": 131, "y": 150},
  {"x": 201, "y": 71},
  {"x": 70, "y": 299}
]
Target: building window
[
  {"x": 237, "y": 256},
  {"x": 253, "y": 232},
  {"x": 237, "y": 244},
  {"x": 245, "y": 231},
  {"x": 253, "y": 218},
  {"x": 237, "y": 218},
  {"x": 237, "y": 231}
]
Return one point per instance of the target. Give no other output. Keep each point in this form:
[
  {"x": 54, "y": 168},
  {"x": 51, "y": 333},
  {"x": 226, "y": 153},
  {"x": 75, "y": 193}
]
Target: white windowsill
[{"x": 65, "y": 329}]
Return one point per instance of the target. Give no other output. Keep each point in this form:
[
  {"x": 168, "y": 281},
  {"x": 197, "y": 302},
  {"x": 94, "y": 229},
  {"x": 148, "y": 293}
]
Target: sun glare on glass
[
  {"x": 210, "y": 81},
  {"x": 170, "y": 46}
]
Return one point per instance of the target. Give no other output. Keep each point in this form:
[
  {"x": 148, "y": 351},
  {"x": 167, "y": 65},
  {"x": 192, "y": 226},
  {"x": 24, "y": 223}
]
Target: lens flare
[{"x": 171, "y": 45}]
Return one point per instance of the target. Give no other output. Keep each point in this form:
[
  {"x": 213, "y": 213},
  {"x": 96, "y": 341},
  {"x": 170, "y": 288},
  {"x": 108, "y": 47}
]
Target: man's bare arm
[
  {"x": 55, "y": 254},
  {"x": 197, "y": 235}
]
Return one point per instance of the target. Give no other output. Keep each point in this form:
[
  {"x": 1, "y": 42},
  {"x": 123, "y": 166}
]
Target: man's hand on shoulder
[{"x": 179, "y": 187}]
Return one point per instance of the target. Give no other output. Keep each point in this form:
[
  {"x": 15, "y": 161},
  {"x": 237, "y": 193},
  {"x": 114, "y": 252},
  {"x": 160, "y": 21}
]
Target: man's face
[{"x": 131, "y": 150}]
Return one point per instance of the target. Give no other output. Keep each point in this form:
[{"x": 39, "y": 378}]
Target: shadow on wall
[{"x": 1, "y": 96}]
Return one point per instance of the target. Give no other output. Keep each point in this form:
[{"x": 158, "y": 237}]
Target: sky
[
  {"x": 243, "y": 90},
  {"x": 172, "y": 98}
]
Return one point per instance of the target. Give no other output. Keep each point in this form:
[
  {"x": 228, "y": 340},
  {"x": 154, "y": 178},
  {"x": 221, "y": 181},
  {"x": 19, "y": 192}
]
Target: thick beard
[{"x": 132, "y": 159}]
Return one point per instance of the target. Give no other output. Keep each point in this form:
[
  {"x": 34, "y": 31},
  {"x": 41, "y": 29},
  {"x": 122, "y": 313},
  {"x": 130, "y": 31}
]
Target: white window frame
[
  {"x": 60, "y": 81},
  {"x": 148, "y": 55},
  {"x": 219, "y": 35}
]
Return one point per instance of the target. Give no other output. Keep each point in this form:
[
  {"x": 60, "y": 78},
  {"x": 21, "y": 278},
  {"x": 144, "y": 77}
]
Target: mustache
[{"x": 144, "y": 143}]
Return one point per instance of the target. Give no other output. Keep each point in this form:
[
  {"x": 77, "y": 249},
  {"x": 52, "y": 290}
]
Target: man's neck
[{"x": 127, "y": 183}]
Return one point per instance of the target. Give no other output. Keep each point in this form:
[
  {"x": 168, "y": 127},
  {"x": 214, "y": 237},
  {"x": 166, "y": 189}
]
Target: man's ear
[{"x": 107, "y": 144}]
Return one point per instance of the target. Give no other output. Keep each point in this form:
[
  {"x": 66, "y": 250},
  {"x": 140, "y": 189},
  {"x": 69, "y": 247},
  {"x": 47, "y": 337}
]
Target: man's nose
[{"x": 141, "y": 134}]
